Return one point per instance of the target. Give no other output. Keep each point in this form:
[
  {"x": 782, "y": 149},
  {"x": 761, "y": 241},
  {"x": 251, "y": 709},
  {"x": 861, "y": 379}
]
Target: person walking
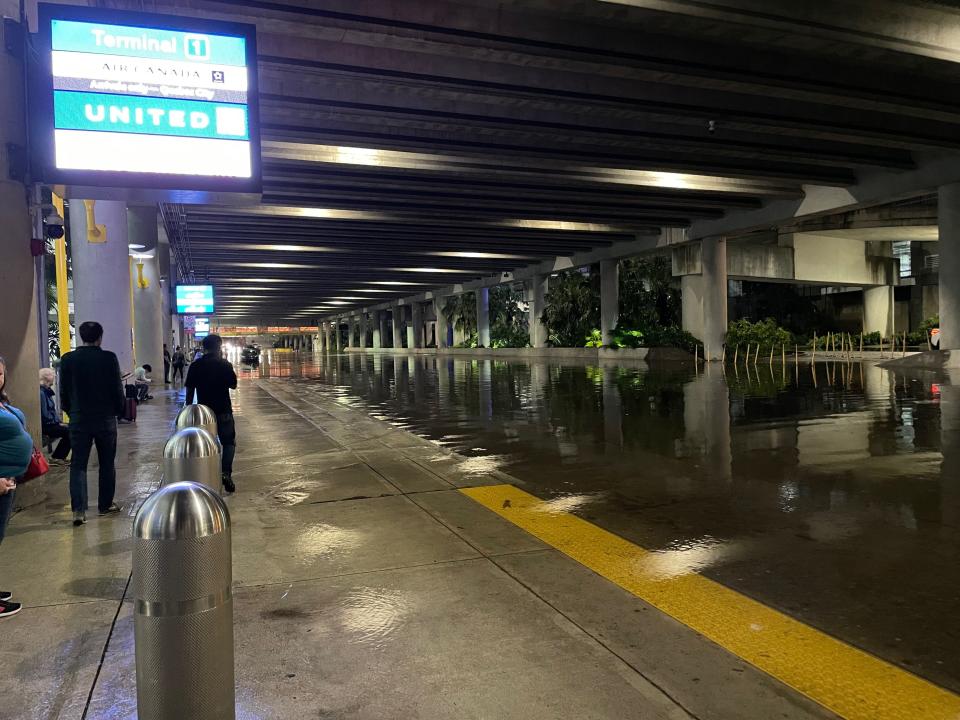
[
  {"x": 16, "y": 449},
  {"x": 212, "y": 378},
  {"x": 179, "y": 361},
  {"x": 53, "y": 428},
  {"x": 166, "y": 364},
  {"x": 92, "y": 395}
]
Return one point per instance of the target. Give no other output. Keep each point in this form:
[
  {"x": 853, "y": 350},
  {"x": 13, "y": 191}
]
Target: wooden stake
[
  {"x": 723, "y": 355},
  {"x": 796, "y": 354},
  {"x": 813, "y": 353},
  {"x": 881, "y": 347},
  {"x": 756, "y": 355},
  {"x": 746, "y": 358},
  {"x": 736, "y": 353},
  {"x": 861, "y": 344},
  {"x": 783, "y": 353},
  {"x": 771, "y": 354},
  {"x": 904, "y": 344}
]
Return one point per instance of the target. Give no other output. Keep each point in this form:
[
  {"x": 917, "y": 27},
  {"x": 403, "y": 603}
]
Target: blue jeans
[
  {"x": 83, "y": 436},
  {"x": 227, "y": 434},
  {"x": 6, "y": 510}
]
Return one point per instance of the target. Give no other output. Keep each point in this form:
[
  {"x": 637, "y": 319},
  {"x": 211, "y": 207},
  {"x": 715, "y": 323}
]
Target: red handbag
[
  {"x": 38, "y": 466},
  {"x": 38, "y": 463}
]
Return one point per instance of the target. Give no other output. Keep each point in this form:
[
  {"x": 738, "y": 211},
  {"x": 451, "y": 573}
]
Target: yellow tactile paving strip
[{"x": 853, "y": 684}]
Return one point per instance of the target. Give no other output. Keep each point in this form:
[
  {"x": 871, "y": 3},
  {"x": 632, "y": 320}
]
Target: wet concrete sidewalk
[{"x": 366, "y": 586}]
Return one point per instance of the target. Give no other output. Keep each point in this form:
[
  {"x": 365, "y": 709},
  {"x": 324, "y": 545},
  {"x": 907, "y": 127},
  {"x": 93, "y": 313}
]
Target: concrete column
[
  {"x": 337, "y": 336},
  {"x": 878, "y": 310},
  {"x": 948, "y": 212},
  {"x": 166, "y": 312},
  {"x": 415, "y": 328},
  {"x": 609, "y": 299},
  {"x": 148, "y": 300},
  {"x": 101, "y": 275},
  {"x": 538, "y": 301},
  {"x": 443, "y": 325},
  {"x": 483, "y": 317},
  {"x": 704, "y": 298},
  {"x": 363, "y": 330},
  {"x": 396, "y": 319},
  {"x": 18, "y": 320},
  {"x": 379, "y": 327},
  {"x": 351, "y": 323},
  {"x": 706, "y": 422}
]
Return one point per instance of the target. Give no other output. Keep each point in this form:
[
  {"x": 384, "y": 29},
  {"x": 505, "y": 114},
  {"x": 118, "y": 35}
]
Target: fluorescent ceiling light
[
  {"x": 282, "y": 248},
  {"x": 435, "y": 270},
  {"x": 395, "y": 282},
  {"x": 135, "y": 246},
  {"x": 272, "y": 265},
  {"x": 488, "y": 255},
  {"x": 371, "y": 290},
  {"x": 256, "y": 280}
]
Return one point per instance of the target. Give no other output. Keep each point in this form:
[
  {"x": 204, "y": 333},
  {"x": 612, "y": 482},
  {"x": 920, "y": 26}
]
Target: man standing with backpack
[{"x": 212, "y": 378}]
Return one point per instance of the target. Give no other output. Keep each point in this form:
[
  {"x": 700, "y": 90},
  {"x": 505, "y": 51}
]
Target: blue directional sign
[{"x": 195, "y": 299}]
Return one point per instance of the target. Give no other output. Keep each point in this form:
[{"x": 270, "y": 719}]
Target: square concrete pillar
[
  {"x": 363, "y": 330},
  {"x": 351, "y": 326},
  {"x": 415, "y": 328},
  {"x": 538, "y": 301},
  {"x": 704, "y": 298},
  {"x": 483, "y": 317},
  {"x": 396, "y": 318},
  {"x": 443, "y": 325},
  {"x": 378, "y": 329},
  {"x": 878, "y": 310},
  {"x": 609, "y": 299},
  {"x": 948, "y": 213}
]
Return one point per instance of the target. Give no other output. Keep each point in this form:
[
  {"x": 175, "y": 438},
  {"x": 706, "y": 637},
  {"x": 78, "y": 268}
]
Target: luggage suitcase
[{"x": 130, "y": 410}]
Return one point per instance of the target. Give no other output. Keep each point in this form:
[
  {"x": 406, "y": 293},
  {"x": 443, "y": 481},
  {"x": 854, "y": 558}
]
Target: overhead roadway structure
[{"x": 409, "y": 145}]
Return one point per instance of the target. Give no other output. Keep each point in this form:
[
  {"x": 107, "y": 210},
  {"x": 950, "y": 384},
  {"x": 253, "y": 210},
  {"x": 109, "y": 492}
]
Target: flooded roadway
[{"x": 822, "y": 492}]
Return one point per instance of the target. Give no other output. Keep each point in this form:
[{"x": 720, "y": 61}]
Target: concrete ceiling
[{"x": 414, "y": 144}]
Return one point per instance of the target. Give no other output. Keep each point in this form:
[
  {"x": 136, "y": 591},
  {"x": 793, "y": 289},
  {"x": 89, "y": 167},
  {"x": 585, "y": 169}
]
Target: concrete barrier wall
[{"x": 605, "y": 354}]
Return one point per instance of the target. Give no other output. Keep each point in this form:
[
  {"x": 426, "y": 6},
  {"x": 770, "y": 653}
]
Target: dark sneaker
[
  {"x": 8, "y": 608},
  {"x": 5, "y": 595},
  {"x": 79, "y": 518},
  {"x": 228, "y": 484},
  {"x": 113, "y": 509}
]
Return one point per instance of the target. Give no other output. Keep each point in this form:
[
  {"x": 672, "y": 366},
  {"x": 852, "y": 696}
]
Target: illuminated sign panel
[
  {"x": 148, "y": 101},
  {"x": 195, "y": 299}
]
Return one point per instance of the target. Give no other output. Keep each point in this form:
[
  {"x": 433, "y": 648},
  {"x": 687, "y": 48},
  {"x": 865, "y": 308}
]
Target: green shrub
[
  {"x": 572, "y": 308},
  {"x": 920, "y": 335},
  {"x": 471, "y": 341},
  {"x": 766, "y": 333},
  {"x": 594, "y": 339}
]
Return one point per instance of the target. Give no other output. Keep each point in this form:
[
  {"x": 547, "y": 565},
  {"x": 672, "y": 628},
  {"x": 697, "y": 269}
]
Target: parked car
[{"x": 250, "y": 354}]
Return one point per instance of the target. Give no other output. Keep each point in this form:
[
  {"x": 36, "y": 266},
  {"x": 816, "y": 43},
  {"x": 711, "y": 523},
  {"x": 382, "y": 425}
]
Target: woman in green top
[{"x": 16, "y": 447}]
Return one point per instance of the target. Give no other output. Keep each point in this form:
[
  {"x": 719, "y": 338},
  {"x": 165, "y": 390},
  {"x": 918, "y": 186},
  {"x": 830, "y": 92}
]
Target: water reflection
[{"x": 829, "y": 491}]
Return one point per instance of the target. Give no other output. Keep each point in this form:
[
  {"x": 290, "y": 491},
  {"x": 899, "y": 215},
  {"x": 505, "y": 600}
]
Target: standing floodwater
[{"x": 820, "y": 491}]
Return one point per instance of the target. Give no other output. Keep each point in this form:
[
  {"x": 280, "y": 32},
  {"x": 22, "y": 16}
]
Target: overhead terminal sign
[
  {"x": 151, "y": 100},
  {"x": 195, "y": 299}
]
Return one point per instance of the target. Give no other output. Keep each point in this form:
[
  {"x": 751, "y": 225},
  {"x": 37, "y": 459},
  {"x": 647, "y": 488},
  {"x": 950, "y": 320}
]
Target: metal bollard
[
  {"x": 197, "y": 416},
  {"x": 192, "y": 454},
  {"x": 183, "y": 605}
]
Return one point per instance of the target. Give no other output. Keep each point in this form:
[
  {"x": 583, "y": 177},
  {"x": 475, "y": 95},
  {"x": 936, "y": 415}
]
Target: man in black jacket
[
  {"x": 92, "y": 395},
  {"x": 212, "y": 378}
]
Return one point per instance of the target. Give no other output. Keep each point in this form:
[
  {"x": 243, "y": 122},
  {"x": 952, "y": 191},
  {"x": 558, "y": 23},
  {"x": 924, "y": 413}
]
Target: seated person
[
  {"x": 141, "y": 378},
  {"x": 50, "y": 418}
]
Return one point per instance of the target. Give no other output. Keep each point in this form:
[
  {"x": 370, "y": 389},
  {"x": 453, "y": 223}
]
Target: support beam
[
  {"x": 101, "y": 274},
  {"x": 538, "y": 301},
  {"x": 363, "y": 331},
  {"x": 443, "y": 325},
  {"x": 704, "y": 296},
  {"x": 609, "y": 299},
  {"x": 483, "y": 317},
  {"x": 379, "y": 328},
  {"x": 949, "y": 213},
  {"x": 878, "y": 310},
  {"x": 396, "y": 319},
  {"x": 415, "y": 328}
]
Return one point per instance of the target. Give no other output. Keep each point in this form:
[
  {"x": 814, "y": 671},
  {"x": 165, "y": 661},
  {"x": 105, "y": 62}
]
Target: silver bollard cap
[
  {"x": 180, "y": 511},
  {"x": 195, "y": 416},
  {"x": 191, "y": 442}
]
